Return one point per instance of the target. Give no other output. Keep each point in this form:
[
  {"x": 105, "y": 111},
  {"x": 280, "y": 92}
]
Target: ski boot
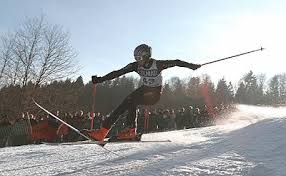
[
  {"x": 128, "y": 134},
  {"x": 98, "y": 134}
]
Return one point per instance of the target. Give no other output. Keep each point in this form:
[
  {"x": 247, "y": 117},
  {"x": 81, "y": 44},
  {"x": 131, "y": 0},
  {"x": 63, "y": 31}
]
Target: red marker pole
[{"x": 93, "y": 106}]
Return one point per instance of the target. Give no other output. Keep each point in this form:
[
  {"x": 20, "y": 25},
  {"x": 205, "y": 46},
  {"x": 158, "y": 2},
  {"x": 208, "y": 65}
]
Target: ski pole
[{"x": 260, "y": 49}]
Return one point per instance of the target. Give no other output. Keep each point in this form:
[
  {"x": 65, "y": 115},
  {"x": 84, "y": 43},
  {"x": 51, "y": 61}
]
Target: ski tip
[{"x": 102, "y": 144}]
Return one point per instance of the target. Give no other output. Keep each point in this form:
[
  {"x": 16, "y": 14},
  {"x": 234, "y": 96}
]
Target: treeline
[
  {"x": 37, "y": 56},
  {"x": 253, "y": 89},
  {"x": 72, "y": 96}
]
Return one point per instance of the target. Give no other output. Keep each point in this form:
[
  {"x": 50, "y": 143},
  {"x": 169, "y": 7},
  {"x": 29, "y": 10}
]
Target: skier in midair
[{"x": 149, "y": 93}]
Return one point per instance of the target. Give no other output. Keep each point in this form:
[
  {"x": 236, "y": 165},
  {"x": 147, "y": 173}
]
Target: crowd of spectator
[{"x": 30, "y": 129}]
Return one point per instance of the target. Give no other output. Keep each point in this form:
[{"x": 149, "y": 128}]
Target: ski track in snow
[{"x": 251, "y": 142}]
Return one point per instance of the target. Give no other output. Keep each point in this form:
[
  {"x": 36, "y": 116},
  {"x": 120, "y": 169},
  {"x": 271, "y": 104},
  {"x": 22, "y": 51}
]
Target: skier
[{"x": 149, "y": 93}]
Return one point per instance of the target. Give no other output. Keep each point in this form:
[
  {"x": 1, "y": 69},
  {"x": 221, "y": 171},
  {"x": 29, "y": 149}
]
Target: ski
[
  {"x": 137, "y": 139},
  {"x": 145, "y": 141},
  {"x": 115, "y": 139},
  {"x": 103, "y": 143},
  {"x": 99, "y": 143}
]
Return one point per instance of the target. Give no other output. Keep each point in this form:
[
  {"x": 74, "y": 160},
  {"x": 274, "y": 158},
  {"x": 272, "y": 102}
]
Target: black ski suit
[{"x": 148, "y": 94}]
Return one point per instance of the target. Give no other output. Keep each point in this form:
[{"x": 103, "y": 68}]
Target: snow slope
[{"x": 251, "y": 142}]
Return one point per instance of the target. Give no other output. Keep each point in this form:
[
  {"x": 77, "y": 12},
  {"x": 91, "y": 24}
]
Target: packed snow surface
[{"x": 250, "y": 142}]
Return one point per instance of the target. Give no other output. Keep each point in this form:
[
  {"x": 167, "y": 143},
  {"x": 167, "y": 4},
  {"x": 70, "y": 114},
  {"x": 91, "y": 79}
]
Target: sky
[
  {"x": 249, "y": 142},
  {"x": 105, "y": 33}
]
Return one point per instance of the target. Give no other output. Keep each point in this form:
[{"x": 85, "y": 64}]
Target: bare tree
[
  {"x": 56, "y": 56},
  {"x": 36, "y": 53},
  {"x": 39, "y": 53},
  {"x": 5, "y": 58}
]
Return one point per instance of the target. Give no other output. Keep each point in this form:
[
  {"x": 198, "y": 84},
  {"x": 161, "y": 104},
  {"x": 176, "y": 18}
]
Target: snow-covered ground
[{"x": 251, "y": 142}]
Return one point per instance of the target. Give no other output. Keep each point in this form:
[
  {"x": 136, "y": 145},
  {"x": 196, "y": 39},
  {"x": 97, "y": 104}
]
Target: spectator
[{"x": 172, "y": 122}]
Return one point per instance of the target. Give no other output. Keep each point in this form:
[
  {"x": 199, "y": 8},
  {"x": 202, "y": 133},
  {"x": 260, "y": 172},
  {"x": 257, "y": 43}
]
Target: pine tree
[
  {"x": 223, "y": 92},
  {"x": 193, "y": 88},
  {"x": 251, "y": 87},
  {"x": 230, "y": 92},
  {"x": 282, "y": 88},
  {"x": 240, "y": 96},
  {"x": 177, "y": 88},
  {"x": 273, "y": 90}
]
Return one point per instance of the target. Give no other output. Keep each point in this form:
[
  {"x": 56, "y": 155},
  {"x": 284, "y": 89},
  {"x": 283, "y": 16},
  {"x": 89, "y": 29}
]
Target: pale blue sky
[{"x": 104, "y": 33}]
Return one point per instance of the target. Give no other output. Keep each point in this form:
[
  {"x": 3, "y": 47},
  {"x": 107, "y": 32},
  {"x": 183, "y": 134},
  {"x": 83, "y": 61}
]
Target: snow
[{"x": 251, "y": 142}]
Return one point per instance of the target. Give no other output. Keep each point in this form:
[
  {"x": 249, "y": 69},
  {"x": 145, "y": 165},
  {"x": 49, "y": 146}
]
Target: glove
[
  {"x": 195, "y": 66},
  {"x": 96, "y": 79}
]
